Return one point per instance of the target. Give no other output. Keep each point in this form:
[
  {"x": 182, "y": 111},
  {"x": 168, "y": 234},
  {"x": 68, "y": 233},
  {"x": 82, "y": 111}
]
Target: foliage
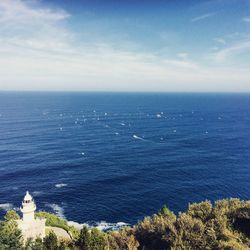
[
  {"x": 201, "y": 227},
  {"x": 91, "y": 239},
  {"x": 11, "y": 215},
  {"x": 31, "y": 244},
  {"x": 123, "y": 239},
  {"x": 54, "y": 221},
  {"x": 83, "y": 241},
  {"x": 97, "y": 239},
  {"x": 10, "y": 235},
  {"x": 226, "y": 225},
  {"x": 50, "y": 241},
  {"x": 156, "y": 232}
]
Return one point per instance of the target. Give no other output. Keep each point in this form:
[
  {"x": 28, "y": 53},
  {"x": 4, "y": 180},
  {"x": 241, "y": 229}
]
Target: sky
[{"x": 125, "y": 45}]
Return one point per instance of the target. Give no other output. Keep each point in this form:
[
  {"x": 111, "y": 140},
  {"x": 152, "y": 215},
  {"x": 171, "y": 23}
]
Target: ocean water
[{"x": 92, "y": 157}]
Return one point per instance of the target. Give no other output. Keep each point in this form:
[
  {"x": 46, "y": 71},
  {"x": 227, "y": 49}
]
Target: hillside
[{"x": 224, "y": 225}]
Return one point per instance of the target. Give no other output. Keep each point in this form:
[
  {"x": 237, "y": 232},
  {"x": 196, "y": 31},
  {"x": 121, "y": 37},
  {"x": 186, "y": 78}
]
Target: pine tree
[{"x": 50, "y": 241}]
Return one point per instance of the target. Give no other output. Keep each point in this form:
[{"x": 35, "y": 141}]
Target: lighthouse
[
  {"x": 30, "y": 226},
  {"x": 28, "y": 208}
]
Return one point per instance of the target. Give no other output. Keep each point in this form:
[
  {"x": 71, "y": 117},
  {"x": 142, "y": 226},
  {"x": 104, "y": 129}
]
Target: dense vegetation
[
  {"x": 54, "y": 221},
  {"x": 226, "y": 225}
]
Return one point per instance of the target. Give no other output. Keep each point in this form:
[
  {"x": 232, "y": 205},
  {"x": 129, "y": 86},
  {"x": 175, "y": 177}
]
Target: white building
[{"x": 30, "y": 226}]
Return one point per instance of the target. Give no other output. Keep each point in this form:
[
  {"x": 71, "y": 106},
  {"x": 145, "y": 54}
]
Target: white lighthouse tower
[
  {"x": 28, "y": 208},
  {"x": 30, "y": 226}
]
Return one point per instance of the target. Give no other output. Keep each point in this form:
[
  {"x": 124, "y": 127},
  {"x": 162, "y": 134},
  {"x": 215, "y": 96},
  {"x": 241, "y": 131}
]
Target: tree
[
  {"x": 37, "y": 244},
  {"x": 165, "y": 212},
  {"x": 10, "y": 235},
  {"x": 122, "y": 239},
  {"x": 83, "y": 241},
  {"x": 156, "y": 232},
  {"x": 50, "y": 241},
  {"x": 11, "y": 215},
  {"x": 202, "y": 210},
  {"x": 62, "y": 245},
  {"x": 31, "y": 244},
  {"x": 97, "y": 240}
]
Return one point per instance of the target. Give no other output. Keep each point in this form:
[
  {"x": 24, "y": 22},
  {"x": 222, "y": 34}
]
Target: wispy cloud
[
  {"x": 39, "y": 52},
  {"x": 28, "y": 25},
  {"x": 183, "y": 55},
  {"x": 246, "y": 19},
  {"x": 220, "y": 40},
  {"x": 202, "y": 17},
  {"x": 29, "y": 11},
  {"x": 232, "y": 50},
  {"x": 42, "y": 51}
]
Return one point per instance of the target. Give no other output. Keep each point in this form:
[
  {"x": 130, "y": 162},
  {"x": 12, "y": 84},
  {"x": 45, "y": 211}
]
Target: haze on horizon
[{"x": 130, "y": 45}]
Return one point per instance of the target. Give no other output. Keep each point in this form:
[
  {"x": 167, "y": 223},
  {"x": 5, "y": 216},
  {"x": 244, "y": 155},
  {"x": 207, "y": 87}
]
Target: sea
[{"x": 115, "y": 158}]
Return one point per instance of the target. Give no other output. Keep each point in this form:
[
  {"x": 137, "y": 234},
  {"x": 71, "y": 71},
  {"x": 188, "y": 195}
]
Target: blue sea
[{"x": 113, "y": 157}]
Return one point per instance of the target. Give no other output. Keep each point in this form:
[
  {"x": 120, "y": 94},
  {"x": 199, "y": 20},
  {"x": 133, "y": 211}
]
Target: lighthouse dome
[{"x": 27, "y": 197}]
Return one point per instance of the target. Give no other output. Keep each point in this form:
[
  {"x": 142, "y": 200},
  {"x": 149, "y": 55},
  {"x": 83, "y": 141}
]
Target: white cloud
[
  {"x": 26, "y": 25},
  {"x": 38, "y": 52},
  {"x": 246, "y": 19},
  {"x": 182, "y": 55},
  {"x": 220, "y": 40},
  {"x": 50, "y": 59},
  {"x": 233, "y": 50},
  {"x": 28, "y": 11},
  {"x": 214, "y": 48},
  {"x": 202, "y": 17}
]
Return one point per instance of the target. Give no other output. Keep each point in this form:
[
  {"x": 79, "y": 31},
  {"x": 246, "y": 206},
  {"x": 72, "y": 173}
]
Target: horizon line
[{"x": 123, "y": 92}]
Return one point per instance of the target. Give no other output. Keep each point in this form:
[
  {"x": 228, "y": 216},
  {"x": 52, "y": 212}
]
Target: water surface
[{"x": 119, "y": 157}]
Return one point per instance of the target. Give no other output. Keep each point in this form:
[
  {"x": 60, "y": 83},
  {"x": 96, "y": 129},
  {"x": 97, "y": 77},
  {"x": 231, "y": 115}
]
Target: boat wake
[
  {"x": 60, "y": 185},
  {"x": 138, "y": 138}
]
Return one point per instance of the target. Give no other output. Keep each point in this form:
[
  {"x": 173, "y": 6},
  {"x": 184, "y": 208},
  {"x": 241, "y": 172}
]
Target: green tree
[
  {"x": 165, "y": 212},
  {"x": 156, "y": 232},
  {"x": 62, "y": 245},
  {"x": 83, "y": 241},
  {"x": 123, "y": 239},
  {"x": 37, "y": 244},
  {"x": 50, "y": 241},
  {"x": 202, "y": 210},
  {"x": 31, "y": 244},
  {"x": 10, "y": 235},
  {"x": 11, "y": 215},
  {"x": 97, "y": 240}
]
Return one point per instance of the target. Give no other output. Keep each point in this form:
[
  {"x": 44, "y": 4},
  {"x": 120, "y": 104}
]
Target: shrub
[
  {"x": 10, "y": 235},
  {"x": 54, "y": 221},
  {"x": 203, "y": 226}
]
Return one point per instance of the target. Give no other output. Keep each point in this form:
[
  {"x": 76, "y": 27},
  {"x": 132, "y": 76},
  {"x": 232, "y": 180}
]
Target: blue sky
[{"x": 130, "y": 45}]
